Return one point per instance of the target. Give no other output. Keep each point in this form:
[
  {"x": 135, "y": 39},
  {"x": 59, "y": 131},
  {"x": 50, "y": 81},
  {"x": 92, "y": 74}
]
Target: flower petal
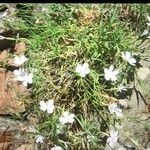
[
  {"x": 16, "y": 60},
  {"x": 25, "y": 83},
  {"x": 132, "y": 61},
  {"x": 83, "y": 70},
  {"x": 106, "y": 71},
  {"x": 111, "y": 68},
  {"x": 115, "y": 72},
  {"x": 112, "y": 107},
  {"x": 50, "y": 102},
  {"x": 110, "y": 142},
  {"x": 114, "y": 134},
  {"x": 62, "y": 120},
  {"x": 16, "y": 72},
  {"x": 119, "y": 113},
  {"x": 65, "y": 113},
  {"x": 127, "y": 55},
  {"x": 148, "y": 18},
  {"x": 23, "y": 58},
  {"x": 43, "y": 105},
  {"x": 71, "y": 118},
  {"x": 145, "y": 32},
  {"x": 148, "y": 24},
  {"x": 107, "y": 74},
  {"x": 86, "y": 70},
  {"x": 82, "y": 74},
  {"x": 50, "y": 106},
  {"x": 19, "y": 60},
  {"x": 50, "y": 109},
  {"x": 107, "y": 77},
  {"x": 113, "y": 77},
  {"x": 79, "y": 68},
  {"x": 56, "y": 148},
  {"x": 29, "y": 78},
  {"x": 121, "y": 88},
  {"x": 39, "y": 139}
]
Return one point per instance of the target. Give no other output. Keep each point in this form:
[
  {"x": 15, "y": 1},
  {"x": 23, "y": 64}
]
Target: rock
[
  {"x": 136, "y": 104},
  {"x": 117, "y": 146},
  {"x": 136, "y": 121},
  {"x": 148, "y": 146},
  {"x": 130, "y": 145},
  {"x": 144, "y": 116},
  {"x": 9, "y": 92},
  {"x": 13, "y": 135},
  {"x": 4, "y": 55},
  {"x": 143, "y": 72},
  {"x": 124, "y": 103},
  {"x": 8, "y": 131},
  {"x": 6, "y": 139}
]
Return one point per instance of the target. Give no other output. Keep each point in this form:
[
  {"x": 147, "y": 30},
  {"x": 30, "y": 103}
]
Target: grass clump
[{"x": 59, "y": 38}]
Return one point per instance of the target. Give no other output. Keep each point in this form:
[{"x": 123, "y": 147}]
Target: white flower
[
  {"x": 23, "y": 76},
  {"x": 112, "y": 138},
  {"x": 47, "y": 106},
  {"x": 66, "y": 118},
  {"x": 127, "y": 56},
  {"x": 27, "y": 79},
  {"x": 20, "y": 74},
  {"x": 145, "y": 32},
  {"x": 83, "y": 70},
  {"x": 19, "y": 60},
  {"x": 121, "y": 88},
  {"x": 39, "y": 139},
  {"x": 148, "y": 17},
  {"x": 111, "y": 74},
  {"x": 56, "y": 148},
  {"x": 113, "y": 108},
  {"x": 4, "y": 14}
]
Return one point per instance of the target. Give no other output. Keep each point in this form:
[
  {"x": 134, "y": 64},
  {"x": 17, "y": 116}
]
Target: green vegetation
[{"x": 59, "y": 38}]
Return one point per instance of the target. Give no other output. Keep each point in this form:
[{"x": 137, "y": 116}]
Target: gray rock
[
  {"x": 136, "y": 121},
  {"x": 148, "y": 146},
  {"x": 143, "y": 72}
]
